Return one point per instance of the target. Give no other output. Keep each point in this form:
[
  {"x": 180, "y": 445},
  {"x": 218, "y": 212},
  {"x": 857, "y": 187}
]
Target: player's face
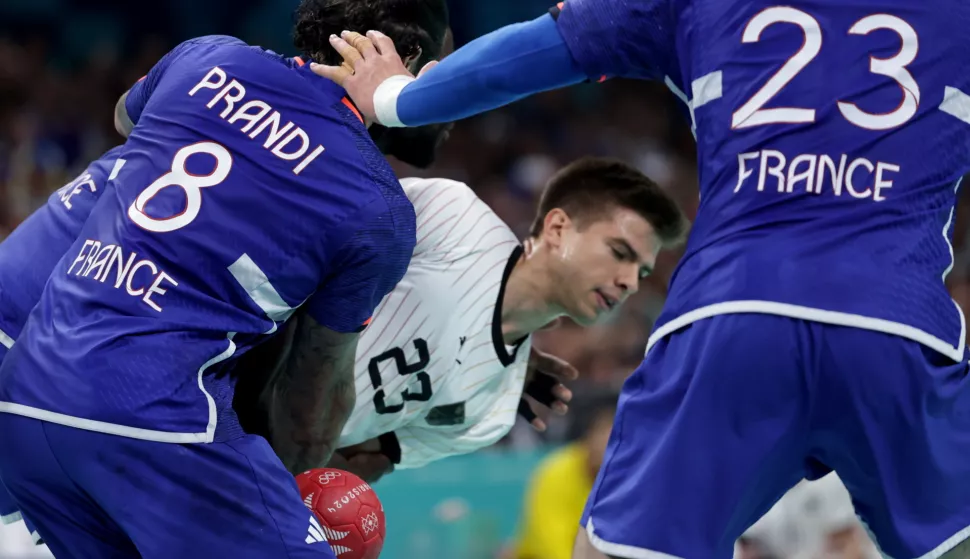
[{"x": 603, "y": 261}]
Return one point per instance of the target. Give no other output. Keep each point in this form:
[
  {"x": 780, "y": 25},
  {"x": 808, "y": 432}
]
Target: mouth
[{"x": 605, "y": 302}]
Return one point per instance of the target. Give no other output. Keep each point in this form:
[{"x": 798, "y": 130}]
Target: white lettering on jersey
[
  {"x": 76, "y": 186},
  {"x": 139, "y": 278},
  {"x": 858, "y": 178},
  {"x": 288, "y": 141},
  {"x": 427, "y": 367},
  {"x": 752, "y": 113}
]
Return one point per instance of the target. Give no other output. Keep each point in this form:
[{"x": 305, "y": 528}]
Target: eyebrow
[{"x": 644, "y": 269}]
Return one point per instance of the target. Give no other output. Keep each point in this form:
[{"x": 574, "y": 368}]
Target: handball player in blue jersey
[
  {"x": 250, "y": 184},
  {"x": 29, "y": 254},
  {"x": 808, "y": 327}
]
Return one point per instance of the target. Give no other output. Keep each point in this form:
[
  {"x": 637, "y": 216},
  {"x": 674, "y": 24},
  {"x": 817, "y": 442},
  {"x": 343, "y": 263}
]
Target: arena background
[{"x": 63, "y": 64}]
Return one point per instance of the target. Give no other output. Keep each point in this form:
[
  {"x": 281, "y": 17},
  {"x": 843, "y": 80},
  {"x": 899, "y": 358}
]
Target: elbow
[{"x": 122, "y": 121}]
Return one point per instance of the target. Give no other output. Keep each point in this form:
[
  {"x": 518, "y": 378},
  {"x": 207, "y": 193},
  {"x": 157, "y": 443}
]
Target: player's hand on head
[
  {"x": 368, "y": 62},
  {"x": 544, "y": 384}
]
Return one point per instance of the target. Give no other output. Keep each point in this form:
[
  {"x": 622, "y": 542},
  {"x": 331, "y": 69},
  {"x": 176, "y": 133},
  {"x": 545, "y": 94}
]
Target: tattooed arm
[
  {"x": 310, "y": 400},
  {"x": 313, "y": 396}
]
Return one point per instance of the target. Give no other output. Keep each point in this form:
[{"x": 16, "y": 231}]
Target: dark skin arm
[
  {"x": 312, "y": 396},
  {"x": 364, "y": 460},
  {"x": 258, "y": 370}
]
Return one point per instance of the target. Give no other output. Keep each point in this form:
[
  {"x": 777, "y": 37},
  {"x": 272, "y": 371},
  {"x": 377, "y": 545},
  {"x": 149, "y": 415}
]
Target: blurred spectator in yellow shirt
[{"x": 557, "y": 491}]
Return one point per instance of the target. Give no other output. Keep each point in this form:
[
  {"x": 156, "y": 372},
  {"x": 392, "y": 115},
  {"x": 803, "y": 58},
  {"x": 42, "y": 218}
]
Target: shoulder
[
  {"x": 212, "y": 42},
  {"x": 206, "y": 43},
  {"x": 452, "y": 219},
  {"x": 417, "y": 188},
  {"x": 102, "y": 166},
  {"x": 224, "y": 50},
  {"x": 388, "y": 204}
]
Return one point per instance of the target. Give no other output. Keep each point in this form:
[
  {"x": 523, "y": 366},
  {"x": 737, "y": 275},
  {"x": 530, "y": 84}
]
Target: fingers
[
  {"x": 383, "y": 43},
  {"x": 562, "y": 393},
  {"x": 336, "y": 74},
  {"x": 527, "y": 413},
  {"x": 539, "y": 425},
  {"x": 353, "y": 48},
  {"x": 360, "y": 43},
  {"x": 559, "y": 368},
  {"x": 427, "y": 67},
  {"x": 348, "y": 52},
  {"x": 552, "y": 365},
  {"x": 548, "y": 391},
  {"x": 541, "y": 388}
]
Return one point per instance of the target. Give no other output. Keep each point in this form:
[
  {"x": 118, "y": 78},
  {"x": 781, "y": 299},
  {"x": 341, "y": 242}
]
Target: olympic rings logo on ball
[{"x": 327, "y": 477}]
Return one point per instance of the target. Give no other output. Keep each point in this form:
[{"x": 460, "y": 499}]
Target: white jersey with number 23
[{"x": 432, "y": 367}]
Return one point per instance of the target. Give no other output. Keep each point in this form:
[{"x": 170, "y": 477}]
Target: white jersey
[{"x": 432, "y": 367}]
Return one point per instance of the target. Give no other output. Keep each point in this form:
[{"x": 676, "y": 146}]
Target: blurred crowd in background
[{"x": 64, "y": 63}]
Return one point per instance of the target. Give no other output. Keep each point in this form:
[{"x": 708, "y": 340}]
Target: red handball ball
[{"x": 350, "y": 514}]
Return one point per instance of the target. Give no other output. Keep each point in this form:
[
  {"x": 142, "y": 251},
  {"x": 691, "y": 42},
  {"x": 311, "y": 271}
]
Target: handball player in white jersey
[{"x": 442, "y": 366}]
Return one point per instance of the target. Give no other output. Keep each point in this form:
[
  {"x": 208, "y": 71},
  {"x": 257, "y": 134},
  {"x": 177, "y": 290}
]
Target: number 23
[{"x": 752, "y": 112}]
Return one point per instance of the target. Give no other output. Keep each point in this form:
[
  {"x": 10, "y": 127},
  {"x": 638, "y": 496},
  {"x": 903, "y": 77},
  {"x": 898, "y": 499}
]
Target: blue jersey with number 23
[{"x": 832, "y": 138}]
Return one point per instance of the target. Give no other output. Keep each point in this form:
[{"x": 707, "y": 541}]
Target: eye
[{"x": 617, "y": 254}]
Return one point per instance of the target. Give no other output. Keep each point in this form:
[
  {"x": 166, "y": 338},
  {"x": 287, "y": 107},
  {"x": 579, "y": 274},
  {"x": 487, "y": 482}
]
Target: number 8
[{"x": 190, "y": 184}]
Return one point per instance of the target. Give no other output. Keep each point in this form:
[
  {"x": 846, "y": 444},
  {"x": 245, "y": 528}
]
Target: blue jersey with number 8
[
  {"x": 250, "y": 184},
  {"x": 832, "y": 137}
]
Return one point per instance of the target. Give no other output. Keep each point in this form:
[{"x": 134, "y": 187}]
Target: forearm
[
  {"x": 491, "y": 71},
  {"x": 258, "y": 371},
  {"x": 314, "y": 397}
]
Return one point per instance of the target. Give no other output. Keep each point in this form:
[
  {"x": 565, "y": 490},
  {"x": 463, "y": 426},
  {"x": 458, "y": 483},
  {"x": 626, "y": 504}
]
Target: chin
[{"x": 585, "y": 318}]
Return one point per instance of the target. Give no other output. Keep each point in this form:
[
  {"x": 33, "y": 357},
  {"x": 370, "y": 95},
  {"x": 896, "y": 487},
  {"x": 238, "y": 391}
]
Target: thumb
[
  {"x": 336, "y": 74},
  {"x": 553, "y": 366},
  {"x": 427, "y": 67}
]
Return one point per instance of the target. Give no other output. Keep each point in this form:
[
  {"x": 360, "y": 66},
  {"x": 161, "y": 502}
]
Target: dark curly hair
[{"x": 411, "y": 24}]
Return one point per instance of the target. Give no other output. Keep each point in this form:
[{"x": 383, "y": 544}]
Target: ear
[
  {"x": 555, "y": 224},
  {"x": 411, "y": 62}
]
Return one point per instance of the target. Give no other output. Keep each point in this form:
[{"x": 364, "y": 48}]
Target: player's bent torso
[
  {"x": 431, "y": 367},
  {"x": 220, "y": 224},
  {"x": 832, "y": 138},
  {"x": 29, "y": 254}
]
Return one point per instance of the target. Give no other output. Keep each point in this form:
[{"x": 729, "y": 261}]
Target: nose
[{"x": 629, "y": 279}]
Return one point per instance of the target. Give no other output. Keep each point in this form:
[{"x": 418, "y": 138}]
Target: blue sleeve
[
  {"x": 619, "y": 38},
  {"x": 141, "y": 92},
  {"x": 489, "y": 72},
  {"x": 367, "y": 267}
]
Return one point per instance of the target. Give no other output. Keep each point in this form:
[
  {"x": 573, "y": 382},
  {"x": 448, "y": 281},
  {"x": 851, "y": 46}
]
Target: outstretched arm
[
  {"x": 587, "y": 39},
  {"x": 491, "y": 71}
]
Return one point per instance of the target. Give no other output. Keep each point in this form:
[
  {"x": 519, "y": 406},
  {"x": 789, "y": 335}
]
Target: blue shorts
[
  {"x": 9, "y": 511},
  {"x": 725, "y": 415},
  {"x": 96, "y": 495}
]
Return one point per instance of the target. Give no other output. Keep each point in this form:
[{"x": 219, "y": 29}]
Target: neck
[{"x": 527, "y": 305}]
